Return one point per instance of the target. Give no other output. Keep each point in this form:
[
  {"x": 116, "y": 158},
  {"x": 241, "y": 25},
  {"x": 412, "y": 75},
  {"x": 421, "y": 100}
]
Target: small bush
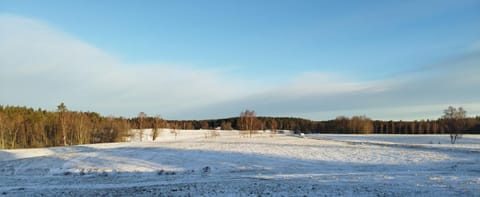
[
  {"x": 206, "y": 169},
  {"x": 160, "y": 172}
]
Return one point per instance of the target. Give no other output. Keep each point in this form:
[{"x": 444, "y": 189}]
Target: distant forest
[{"x": 24, "y": 127}]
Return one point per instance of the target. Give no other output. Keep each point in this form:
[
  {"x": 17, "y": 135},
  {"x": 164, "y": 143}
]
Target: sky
[{"x": 388, "y": 60}]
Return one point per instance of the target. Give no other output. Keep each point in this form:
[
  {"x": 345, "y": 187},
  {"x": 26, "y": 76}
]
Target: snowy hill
[
  {"x": 146, "y": 135},
  {"x": 194, "y": 163}
]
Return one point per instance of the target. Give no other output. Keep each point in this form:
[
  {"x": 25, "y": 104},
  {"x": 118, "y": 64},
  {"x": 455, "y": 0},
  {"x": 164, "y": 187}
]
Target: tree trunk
[
  {"x": 2, "y": 139},
  {"x": 81, "y": 137},
  {"x": 14, "y": 138},
  {"x": 64, "y": 130},
  {"x": 453, "y": 138}
]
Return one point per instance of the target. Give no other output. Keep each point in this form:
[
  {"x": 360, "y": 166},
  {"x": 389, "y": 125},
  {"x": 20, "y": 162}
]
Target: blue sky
[{"x": 212, "y": 59}]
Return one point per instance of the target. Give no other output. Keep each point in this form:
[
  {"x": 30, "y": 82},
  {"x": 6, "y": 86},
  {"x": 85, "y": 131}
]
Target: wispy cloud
[
  {"x": 41, "y": 66},
  {"x": 420, "y": 94}
]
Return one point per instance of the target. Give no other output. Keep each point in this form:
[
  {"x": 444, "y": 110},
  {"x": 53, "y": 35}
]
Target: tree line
[
  {"x": 342, "y": 125},
  {"x": 23, "y": 127}
]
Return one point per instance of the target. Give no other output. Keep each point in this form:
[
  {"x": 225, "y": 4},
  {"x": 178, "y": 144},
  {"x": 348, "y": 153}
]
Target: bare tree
[
  {"x": 62, "y": 109},
  {"x": 174, "y": 130},
  {"x": 273, "y": 127},
  {"x": 456, "y": 122},
  {"x": 361, "y": 124},
  {"x": 226, "y": 126},
  {"x": 157, "y": 122},
  {"x": 248, "y": 121},
  {"x": 17, "y": 123},
  {"x": 83, "y": 129},
  {"x": 141, "y": 119}
]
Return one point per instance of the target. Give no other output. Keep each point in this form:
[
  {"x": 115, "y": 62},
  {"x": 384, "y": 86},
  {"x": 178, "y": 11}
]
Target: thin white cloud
[
  {"x": 421, "y": 94},
  {"x": 322, "y": 83},
  {"x": 41, "y": 66}
]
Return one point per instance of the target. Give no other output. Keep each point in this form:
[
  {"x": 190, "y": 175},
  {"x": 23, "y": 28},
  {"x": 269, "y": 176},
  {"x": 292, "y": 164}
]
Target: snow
[
  {"x": 465, "y": 142},
  {"x": 405, "y": 139},
  {"x": 197, "y": 163}
]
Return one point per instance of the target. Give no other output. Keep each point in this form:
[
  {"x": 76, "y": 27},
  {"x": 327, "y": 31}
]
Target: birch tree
[
  {"x": 62, "y": 110},
  {"x": 456, "y": 122}
]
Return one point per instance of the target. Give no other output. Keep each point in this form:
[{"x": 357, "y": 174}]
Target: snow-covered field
[
  {"x": 193, "y": 163},
  {"x": 403, "y": 139}
]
